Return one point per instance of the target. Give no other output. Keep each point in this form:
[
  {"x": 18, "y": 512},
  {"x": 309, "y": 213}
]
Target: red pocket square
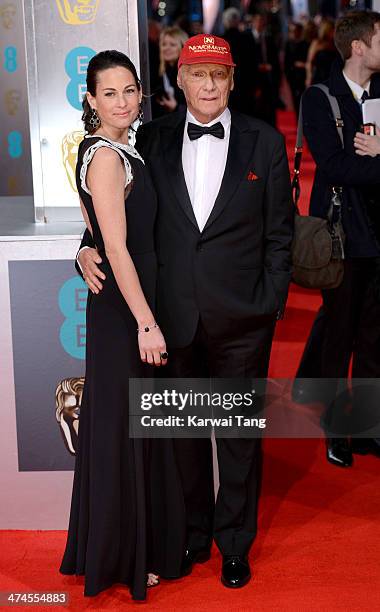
[{"x": 252, "y": 176}]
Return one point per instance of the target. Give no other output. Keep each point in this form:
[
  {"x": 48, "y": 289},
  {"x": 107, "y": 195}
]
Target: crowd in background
[{"x": 276, "y": 57}]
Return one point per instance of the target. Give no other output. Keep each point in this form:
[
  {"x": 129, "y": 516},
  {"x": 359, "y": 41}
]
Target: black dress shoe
[
  {"x": 194, "y": 556},
  {"x": 338, "y": 452},
  {"x": 235, "y": 571}
]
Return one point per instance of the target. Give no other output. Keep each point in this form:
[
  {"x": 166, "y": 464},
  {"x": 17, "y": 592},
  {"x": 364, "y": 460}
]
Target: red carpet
[{"x": 319, "y": 530}]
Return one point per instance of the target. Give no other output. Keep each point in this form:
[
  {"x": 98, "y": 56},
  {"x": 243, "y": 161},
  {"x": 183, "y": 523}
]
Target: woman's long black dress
[{"x": 127, "y": 506}]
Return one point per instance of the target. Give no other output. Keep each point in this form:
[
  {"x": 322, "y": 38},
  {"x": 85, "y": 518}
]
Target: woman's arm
[{"x": 106, "y": 181}]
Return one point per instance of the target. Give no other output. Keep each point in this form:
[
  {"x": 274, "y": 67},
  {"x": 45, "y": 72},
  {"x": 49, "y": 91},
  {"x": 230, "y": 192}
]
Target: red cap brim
[{"x": 206, "y": 60}]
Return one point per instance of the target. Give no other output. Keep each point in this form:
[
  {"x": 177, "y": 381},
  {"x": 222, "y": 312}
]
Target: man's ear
[
  {"x": 232, "y": 82},
  {"x": 179, "y": 78},
  {"x": 357, "y": 47}
]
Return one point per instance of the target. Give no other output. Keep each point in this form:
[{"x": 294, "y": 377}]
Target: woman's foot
[{"x": 153, "y": 580}]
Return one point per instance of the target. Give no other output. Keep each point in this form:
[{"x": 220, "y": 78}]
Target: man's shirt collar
[{"x": 357, "y": 90}]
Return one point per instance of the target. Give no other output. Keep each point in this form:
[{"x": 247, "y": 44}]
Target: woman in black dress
[
  {"x": 321, "y": 55},
  {"x": 122, "y": 525}
]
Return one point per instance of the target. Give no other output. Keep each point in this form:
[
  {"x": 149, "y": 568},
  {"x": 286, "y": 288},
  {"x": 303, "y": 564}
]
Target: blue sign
[
  {"x": 10, "y": 59},
  {"x": 72, "y": 301},
  {"x": 76, "y": 68},
  {"x": 15, "y": 148}
]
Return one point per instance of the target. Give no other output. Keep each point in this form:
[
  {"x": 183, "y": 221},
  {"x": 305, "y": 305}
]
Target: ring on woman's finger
[{"x": 164, "y": 355}]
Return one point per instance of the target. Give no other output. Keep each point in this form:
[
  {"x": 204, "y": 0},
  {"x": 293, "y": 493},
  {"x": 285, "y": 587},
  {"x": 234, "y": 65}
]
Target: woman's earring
[
  {"x": 94, "y": 119},
  {"x": 140, "y": 116},
  {"x": 135, "y": 126}
]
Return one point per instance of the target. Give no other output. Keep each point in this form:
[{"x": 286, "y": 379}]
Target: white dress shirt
[
  {"x": 357, "y": 90},
  {"x": 204, "y": 162}
]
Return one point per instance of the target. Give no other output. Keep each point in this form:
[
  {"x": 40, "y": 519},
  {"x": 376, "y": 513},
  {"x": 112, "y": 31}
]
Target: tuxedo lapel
[
  {"x": 339, "y": 88},
  {"x": 352, "y": 108},
  {"x": 240, "y": 150},
  {"x": 172, "y": 137}
]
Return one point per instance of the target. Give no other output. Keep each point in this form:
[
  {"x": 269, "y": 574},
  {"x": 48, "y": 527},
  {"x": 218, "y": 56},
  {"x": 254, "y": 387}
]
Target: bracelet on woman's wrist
[{"x": 147, "y": 328}]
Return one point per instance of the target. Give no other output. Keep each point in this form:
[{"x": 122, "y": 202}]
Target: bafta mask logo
[
  {"x": 7, "y": 15},
  {"x": 79, "y": 12},
  {"x": 14, "y": 187},
  {"x": 68, "y": 398},
  {"x": 12, "y": 99},
  {"x": 70, "y": 144}
]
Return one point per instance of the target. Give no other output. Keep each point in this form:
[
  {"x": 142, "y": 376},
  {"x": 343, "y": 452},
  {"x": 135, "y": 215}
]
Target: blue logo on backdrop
[
  {"x": 76, "y": 67},
  {"x": 10, "y": 59},
  {"x": 72, "y": 300},
  {"x": 15, "y": 144}
]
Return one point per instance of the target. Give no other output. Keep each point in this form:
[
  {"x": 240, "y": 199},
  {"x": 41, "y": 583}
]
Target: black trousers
[
  {"x": 347, "y": 325},
  {"x": 232, "y": 520}
]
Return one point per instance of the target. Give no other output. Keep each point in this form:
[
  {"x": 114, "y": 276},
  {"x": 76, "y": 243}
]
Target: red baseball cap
[{"x": 206, "y": 49}]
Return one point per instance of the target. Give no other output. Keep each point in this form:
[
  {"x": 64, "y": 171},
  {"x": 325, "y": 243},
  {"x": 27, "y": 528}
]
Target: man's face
[
  {"x": 206, "y": 88},
  {"x": 371, "y": 54},
  {"x": 258, "y": 22}
]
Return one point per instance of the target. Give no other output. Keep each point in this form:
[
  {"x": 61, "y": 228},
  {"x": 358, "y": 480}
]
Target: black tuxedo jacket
[
  {"x": 359, "y": 176},
  {"x": 238, "y": 268}
]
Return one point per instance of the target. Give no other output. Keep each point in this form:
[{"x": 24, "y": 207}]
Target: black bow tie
[{"x": 196, "y": 131}]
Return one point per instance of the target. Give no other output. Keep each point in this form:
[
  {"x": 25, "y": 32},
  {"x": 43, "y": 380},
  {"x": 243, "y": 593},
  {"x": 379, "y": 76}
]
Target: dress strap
[
  {"x": 89, "y": 154},
  {"x": 128, "y": 148}
]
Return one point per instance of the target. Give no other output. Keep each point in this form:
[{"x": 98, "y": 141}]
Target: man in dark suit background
[
  {"x": 223, "y": 235},
  {"x": 265, "y": 51},
  {"x": 243, "y": 95},
  {"x": 348, "y": 324}
]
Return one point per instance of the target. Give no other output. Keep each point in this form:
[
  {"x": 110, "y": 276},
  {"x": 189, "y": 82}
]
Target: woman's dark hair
[{"x": 103, "y": 61}]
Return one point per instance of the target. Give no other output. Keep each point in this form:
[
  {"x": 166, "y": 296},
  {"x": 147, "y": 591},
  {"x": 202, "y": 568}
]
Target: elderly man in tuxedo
[{"x": 223, "y": 235}]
